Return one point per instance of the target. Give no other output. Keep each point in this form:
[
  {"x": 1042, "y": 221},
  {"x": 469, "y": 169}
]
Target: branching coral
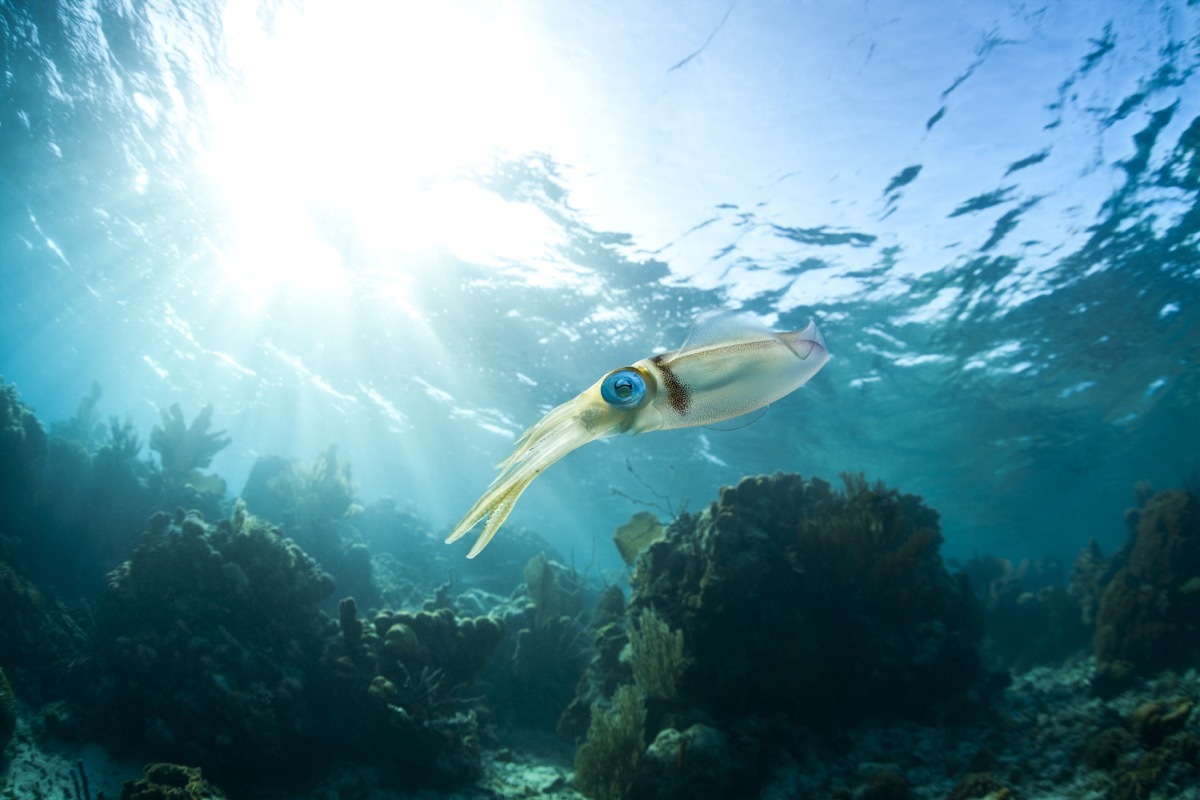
[
  {"x": 85, "y": 427},
  {"x": 123, "y": 444},
  {"x": 656, "y": 656},
  {"x": 186, "y": 449},
  {"x": 607, "y": 762},
  {"x": 314, "y": 493}
]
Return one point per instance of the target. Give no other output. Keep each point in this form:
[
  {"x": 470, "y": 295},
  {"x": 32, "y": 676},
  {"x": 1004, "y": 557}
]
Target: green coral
[
  {"x": 607, "y": 762},
  {"x": 186, "y": 449},
  {"x": 170, "y": 782},
  {"x": 656, "y": 656}
]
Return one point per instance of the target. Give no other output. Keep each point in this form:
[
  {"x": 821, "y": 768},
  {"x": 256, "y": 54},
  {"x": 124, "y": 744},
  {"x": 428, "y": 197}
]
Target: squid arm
[{"x": 729, "y": 365}]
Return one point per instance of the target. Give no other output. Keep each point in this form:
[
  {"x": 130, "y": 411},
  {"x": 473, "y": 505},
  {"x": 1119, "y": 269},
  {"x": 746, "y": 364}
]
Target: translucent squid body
[{"x": 730, "y": 365}]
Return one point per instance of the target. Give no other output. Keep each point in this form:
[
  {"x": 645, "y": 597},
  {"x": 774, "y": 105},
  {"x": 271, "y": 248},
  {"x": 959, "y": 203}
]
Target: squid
[{"x": 728, "y": 366}]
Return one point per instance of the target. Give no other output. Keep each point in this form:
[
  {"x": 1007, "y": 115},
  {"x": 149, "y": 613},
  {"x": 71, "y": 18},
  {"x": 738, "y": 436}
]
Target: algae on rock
[
  {"x": 656, "y": 656},
  {"x": 607, "y": 762}
]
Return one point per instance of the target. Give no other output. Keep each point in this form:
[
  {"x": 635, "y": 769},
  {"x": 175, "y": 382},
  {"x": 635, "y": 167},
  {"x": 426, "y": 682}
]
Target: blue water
[{"x": 411, "y": 229}]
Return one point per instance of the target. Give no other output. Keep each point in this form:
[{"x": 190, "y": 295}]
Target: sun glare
[{"x": 364, "y": 119}]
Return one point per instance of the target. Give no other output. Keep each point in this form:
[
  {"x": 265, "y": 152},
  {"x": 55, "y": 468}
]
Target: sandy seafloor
[{"x": 1035, "y": 746}]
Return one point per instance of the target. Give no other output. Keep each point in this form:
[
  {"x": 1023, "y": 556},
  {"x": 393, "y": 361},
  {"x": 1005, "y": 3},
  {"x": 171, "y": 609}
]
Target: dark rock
[
  {"x": 1149, "y": 614},
  {"x": 692, "y": 763}
]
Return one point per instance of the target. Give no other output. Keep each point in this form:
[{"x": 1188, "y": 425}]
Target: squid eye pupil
[{"x": 625, "y": 387}]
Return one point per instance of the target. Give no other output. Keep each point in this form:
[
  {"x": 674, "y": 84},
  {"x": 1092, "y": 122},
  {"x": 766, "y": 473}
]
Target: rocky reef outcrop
[
  {"x": 212, "y": 650},
  {"x": 785, "y": 606},
  {"x": 827, "y": 604},
  {"x": 1148, "y": 613}
]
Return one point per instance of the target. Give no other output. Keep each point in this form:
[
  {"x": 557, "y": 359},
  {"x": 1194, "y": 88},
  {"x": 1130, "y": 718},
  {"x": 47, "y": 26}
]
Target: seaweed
[
  {"x": 656, "y": 656},
  {"x": 607, "y": 761}
]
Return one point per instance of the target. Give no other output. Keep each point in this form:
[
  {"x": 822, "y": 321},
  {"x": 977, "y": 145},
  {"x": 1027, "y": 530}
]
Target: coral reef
[
  {"x": 301, "y": 494},
  {"x": 537, "y": 668},
  {"x": 1030, "y": 618},
  {"x": 94, "y": 506},
  {"x": 1090, "y": 573},
  {"x": 23, "y": 451},
  {"x": 212, "y": 650},
  {"x": 607, "y": 762},
  {"x": 605, "y": 670},
  {"x": 1148, "y": 617},
  {"x": 784, "y": 600},
  {"x": 656, "y": 656},
  {"x": 313, "y": 501},
  {"x": 1148, "y": 753},
  {"x": 400, "y": 693},
  {"x": 202, "y": 643},
  {"x": 542, "y": 587},
  {"x": 72, "y": 504},
  {"x": 823, "y": 604},
  {"x": 170, "y": 782},
  {"x": 40, "y": 638},
  {"x": 185, "y": 449},
  {"x": 688, "y": 764}
]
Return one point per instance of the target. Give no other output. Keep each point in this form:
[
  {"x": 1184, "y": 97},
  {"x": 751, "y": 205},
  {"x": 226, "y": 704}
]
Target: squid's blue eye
[{"x": 624, "y": 387}]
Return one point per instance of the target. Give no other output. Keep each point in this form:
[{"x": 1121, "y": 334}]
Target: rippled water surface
[{"x": 410, "y": 229}]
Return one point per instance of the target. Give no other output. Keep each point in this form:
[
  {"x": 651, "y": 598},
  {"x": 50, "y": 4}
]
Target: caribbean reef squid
[{"x": 729, "y": 365}]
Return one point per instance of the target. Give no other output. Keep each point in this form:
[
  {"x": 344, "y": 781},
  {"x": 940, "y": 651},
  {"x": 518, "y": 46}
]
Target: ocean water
[{"x": 410, "y": 230}]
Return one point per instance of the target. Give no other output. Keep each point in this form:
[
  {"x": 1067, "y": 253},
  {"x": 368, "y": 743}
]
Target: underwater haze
[{"x": 411, "y": 229}]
